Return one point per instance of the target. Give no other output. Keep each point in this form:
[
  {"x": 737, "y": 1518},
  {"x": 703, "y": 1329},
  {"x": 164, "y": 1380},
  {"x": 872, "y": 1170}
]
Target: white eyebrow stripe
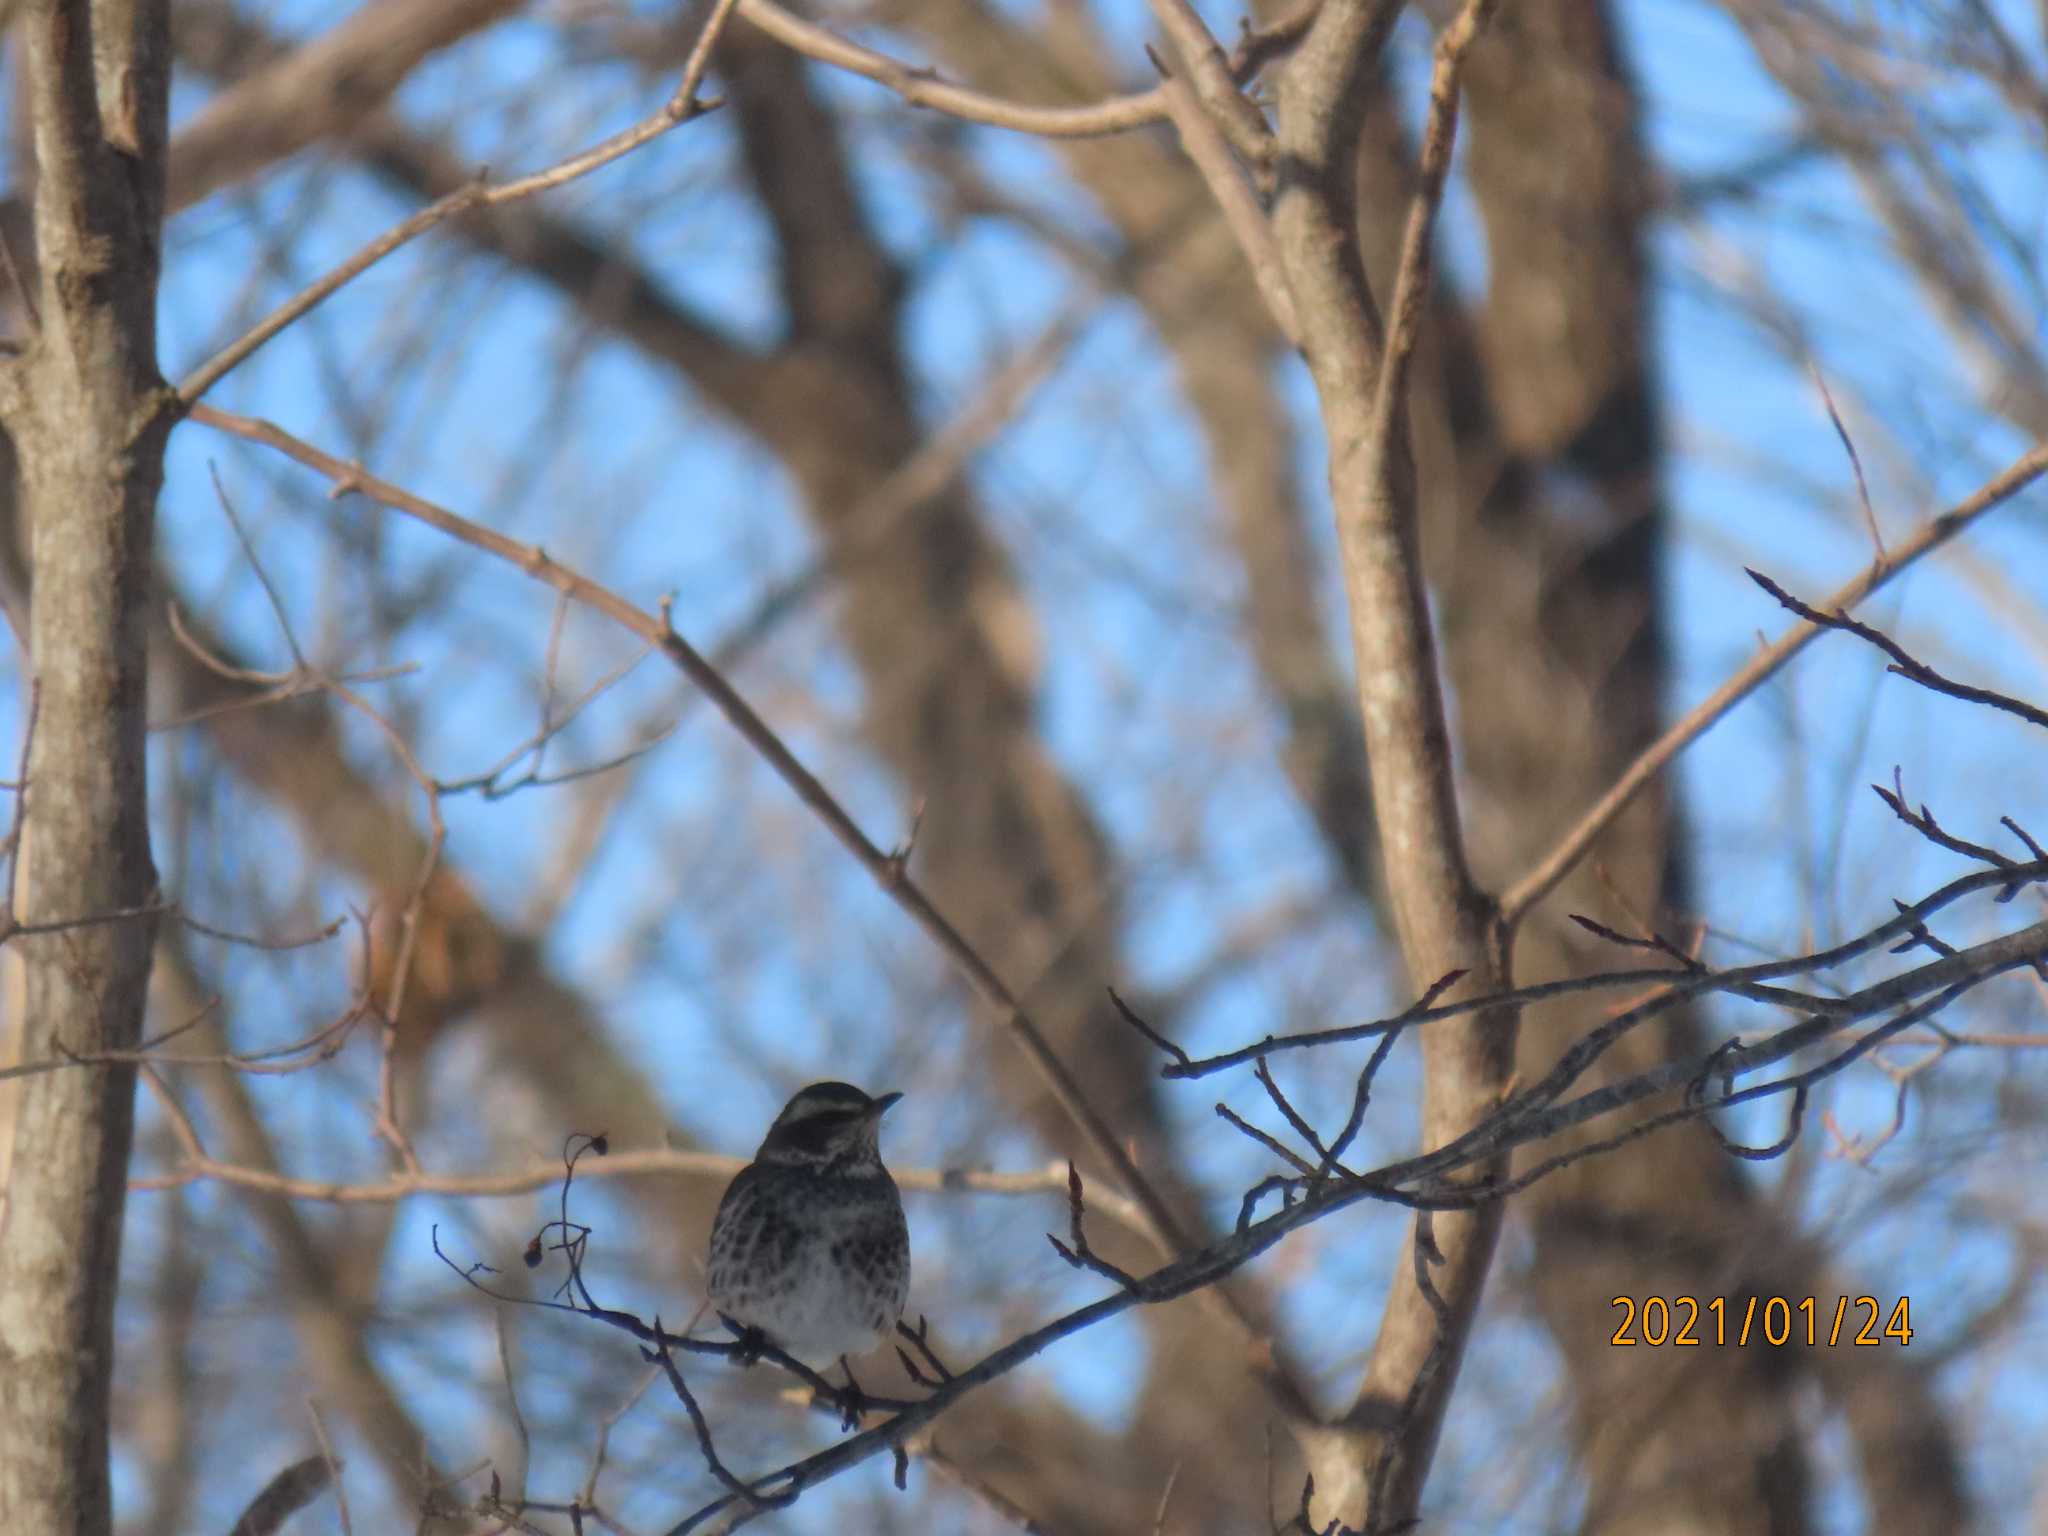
[{"x": 811, "y": 1109}]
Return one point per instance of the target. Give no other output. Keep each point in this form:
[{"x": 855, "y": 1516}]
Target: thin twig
[
  {"x": 932, "y": 1372},
  {"x": 1855, "y": 463},
  {"x": 1307, "y": 1132},
  {"x": 681, "y": 107},
  {"x": 1749, "y": 981},
  {"x": 1278, "y": 1148},
  {"x": 341, "y": 1513},
  {"x": 753, "y": 1498},
  {"x": 1361, "y": 1097},
  {"x": 1904, "y": 662},
  {"x": 588, "y": 1494},
  {"x": 277, "y": 609},
  {"x": 1544, "y": 875},
  {"x": 519, "y": 1429},
  {"x": 1077, "y": 1252},
  {"x": 1412, "y": 275},
  {"x": 1923, "y": 822},
  {"x": 1130, "y": 1016}
]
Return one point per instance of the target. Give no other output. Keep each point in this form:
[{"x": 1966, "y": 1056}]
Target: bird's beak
[{"x": 881, "y": 1105}]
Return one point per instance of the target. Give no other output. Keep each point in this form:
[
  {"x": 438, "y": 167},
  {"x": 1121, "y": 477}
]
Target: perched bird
[{"x": 809, "y": 1247}]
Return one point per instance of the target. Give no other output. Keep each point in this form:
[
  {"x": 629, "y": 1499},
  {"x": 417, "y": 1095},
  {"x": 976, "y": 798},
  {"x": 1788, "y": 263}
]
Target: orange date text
[{"x": 1774, "y": 1320}]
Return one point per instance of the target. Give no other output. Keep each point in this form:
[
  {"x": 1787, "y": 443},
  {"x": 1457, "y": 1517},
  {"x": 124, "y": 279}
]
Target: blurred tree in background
[{"x": 1011, "y": 426}]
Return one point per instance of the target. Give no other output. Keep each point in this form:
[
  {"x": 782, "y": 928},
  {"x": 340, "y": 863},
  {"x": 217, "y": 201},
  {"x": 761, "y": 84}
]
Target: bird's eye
[{"x": 821, "y": 1131}]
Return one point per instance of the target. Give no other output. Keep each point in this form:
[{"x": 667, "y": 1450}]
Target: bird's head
[{"x": 826, "y": 1123}]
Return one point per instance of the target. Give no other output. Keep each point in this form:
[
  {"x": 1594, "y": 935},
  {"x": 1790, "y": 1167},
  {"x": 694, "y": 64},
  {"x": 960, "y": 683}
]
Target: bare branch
[
  {"x": 923, "y": 88},
  {"x": 1214, "y": 87},
  {"x": 1077, "y": 1252},
  {"x": 1572, "y": 847},
  {"x": 1412, "y": 276},
  {"x": 1903, "y": 662},
  {"x": 638, "y": 1162},
  {"x": 681, "y": 107},
  {"x": 1207, "y": 149},
  {"x": 1855, "y": 463}
]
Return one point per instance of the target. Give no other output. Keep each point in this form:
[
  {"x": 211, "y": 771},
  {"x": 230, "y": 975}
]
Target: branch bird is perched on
[{"x": 809, "y": 1247}]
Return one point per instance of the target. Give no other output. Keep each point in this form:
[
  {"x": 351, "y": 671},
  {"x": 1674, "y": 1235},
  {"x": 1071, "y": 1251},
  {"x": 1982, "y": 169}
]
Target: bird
[{"x": 809, "y": 1249}]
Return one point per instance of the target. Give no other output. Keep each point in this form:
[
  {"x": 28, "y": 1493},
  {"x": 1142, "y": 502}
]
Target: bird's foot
[
  {"x": 751, "y": 1340},
  {"x": 851, "y": 1401}
]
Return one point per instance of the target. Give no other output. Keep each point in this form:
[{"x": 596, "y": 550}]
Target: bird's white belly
[
  {"x": 814, "y": 1308},
  {"x": 821, "y": 1317}
]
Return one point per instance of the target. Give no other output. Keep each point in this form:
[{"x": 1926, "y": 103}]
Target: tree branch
[
  {"x": 87, "y": 413},
  {"x": 1443, "y": 920},
  {"x": 1573, "y": 846}
]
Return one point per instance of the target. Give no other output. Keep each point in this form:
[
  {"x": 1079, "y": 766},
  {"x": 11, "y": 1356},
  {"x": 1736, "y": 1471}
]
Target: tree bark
[
  {"x": 1444, "y": 921},
  {"x": 89, "y": 417}
]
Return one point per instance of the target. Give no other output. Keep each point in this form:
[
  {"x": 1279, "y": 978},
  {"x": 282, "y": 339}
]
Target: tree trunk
[{"x": 85, "y": 406}]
